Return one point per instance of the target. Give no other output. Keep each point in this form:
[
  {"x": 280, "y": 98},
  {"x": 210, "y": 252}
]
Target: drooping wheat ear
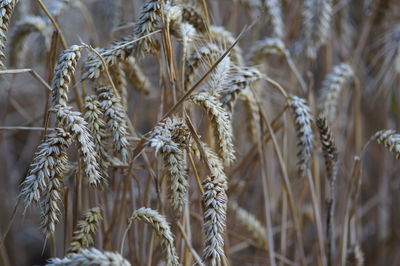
[
  {"x": 331, "y": 156},
  {"x": 52, "y": 195},
  {"x": 328, "y": 147},
  {"x": 265, "y": 47},
  {"x": 215, "y": 205},
  {"x": 97, "y": 127},
  {"x": 82, "y": 237},
  {"x": 117, "y": 120},
  {"x": 355, "y": 257},
  {"x": 194, "y": 16},
  {"x": 220, "y": 121},
  {"x": 239, "y": 82},
  {"x": 173, "y": 17},
  {"x": 170, "y": 138},
  {"x": 302, "y": 118},
  {"x": 90, "y": 257},
  {"x": 161, "y": 228},
  {"x": 331, "y": 88},
  {"x": 219, "y": 78},
  {"x": 316, "y": 22},
  {"x": 253, "y": 114},
  {"x": 63, "y": 73},
  {"x": 6, "y": 11},
  {"x": 252, "y": 225},
  {"x": 47, "y": 165},
  {"x": 119, "y": 77},
  {"x": 136, "y": 76},
  {"x": 203, "y": 54},
  {"x": 390, "y": 139},
  {"x": 224, "y": 38},
  {"x": 119, "y": 50},
  {"x": 21, "y": 30},
  {"x": 73, "y": 123},
  {"x": 274, "y": 12}
]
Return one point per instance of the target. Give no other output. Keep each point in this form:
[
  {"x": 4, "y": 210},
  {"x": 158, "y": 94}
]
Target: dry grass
[{"x": 176, "y": 132}]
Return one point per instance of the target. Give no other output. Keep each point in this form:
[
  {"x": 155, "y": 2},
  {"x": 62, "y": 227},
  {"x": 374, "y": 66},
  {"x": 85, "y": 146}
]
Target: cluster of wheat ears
[{"x": 175, "y": 146}]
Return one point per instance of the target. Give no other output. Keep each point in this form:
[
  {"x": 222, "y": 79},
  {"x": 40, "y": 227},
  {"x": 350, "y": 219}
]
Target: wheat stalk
[
  {"x": 82, "y": 236},
  {"x": 302, "y": 118},
  {"x": 161, "y": 228},
  {"x": 90, "y": 257}
]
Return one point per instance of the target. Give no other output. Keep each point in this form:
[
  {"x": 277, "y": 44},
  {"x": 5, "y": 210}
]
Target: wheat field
[{"x": 199, "y": 132}]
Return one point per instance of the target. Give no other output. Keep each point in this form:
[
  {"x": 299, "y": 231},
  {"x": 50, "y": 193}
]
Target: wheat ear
[
  {"x": 355, "y": 257},
  {"x": 170, "y": 139},
  {"x": 73, "y": 123},
  {"x": 21, "y": 30},
  {"x": 117, "y": 120},
  {"x": 63, "y": 73},
  {"x": 97, "y": 127},
  {"x": 90, "y": 257},
  {"x": 252, "y": 225},
  {"x": 6, "y": 11},
  {"x": 144, "y": 44},
  {"x": 194, "y": 16},
  {"x": 82, "y": 237},
  {"x": 316, "y": 23},
  {"x": 161, "y": 228},
  {"x": 265, "y": 47},
  {"x": 121, "y": 83},
  {"x": 390, "y": 139},
  {"x": 224, "y": 38},
  {"x": 274, "y": 11},
  {"x": 47, "y": 165},
  {"x": 136, "y": 76},
  {"x": 221, "y": 122},
  {"x": 331, "y": 88},
  {"x": 302, "y": 119},
  {"x": 253, "y": 113}
]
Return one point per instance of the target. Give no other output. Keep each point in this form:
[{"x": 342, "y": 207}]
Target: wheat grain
[
  {"x": 116, "y": 119},
  {"x": 82, "y": 237},
  {"x": 161, "y": 228},
  {"x": 302, "y": 119},
  {"x": 90, "y": 257}
]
